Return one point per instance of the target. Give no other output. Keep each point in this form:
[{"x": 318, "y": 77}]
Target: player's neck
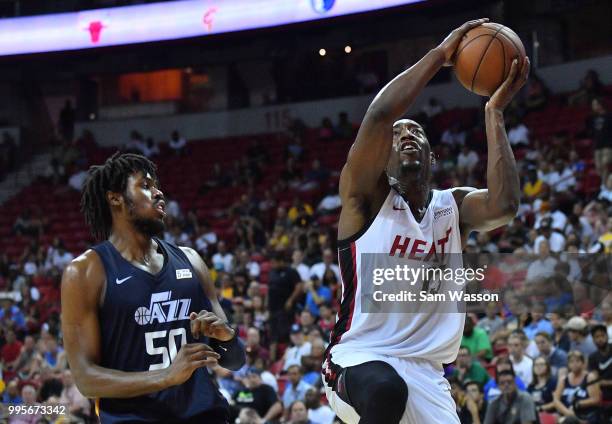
[
  {"x": 133, "y": 246},
  {"x": 416, "y": 193}
]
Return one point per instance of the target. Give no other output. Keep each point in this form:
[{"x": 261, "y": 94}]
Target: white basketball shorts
[{"x": 429, "y": 393}]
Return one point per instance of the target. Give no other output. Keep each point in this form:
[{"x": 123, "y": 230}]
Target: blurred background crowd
[{"x": 272, "y": 255}]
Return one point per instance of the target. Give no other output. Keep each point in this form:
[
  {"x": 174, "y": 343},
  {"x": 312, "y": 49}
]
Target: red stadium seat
[
  {"x": 277, "y": 367},
  {"x": 265, "y": 267},
  {"x": 546, "y": 418},
  {"x": 282, "y": 384}
]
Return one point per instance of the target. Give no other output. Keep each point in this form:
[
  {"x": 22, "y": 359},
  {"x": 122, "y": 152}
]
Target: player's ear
[
  {"x": 114, "y": 199},
  {"x": 432, "y": 158}
]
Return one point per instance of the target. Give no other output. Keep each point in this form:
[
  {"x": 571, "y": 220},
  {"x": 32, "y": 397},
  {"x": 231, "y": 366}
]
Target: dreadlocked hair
[{"x": 112, "y": 176}]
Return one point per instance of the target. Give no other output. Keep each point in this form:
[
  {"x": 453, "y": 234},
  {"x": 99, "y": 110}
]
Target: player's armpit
[
  {"x": 478, "y": 212},
  {"x": 359, "y": 208}
]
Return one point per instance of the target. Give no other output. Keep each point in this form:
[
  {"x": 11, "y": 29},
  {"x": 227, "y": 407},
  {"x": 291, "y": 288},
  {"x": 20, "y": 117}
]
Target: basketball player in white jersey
[{"x": 387, "y": 368}]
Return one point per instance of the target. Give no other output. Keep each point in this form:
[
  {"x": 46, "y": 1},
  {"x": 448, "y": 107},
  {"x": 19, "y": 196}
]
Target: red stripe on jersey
[
  {"x": 348, "y": 267},
  {"x": 354, "y": 286}
]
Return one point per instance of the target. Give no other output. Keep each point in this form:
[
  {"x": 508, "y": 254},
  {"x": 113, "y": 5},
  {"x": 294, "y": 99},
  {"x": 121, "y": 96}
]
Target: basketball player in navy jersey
[
  {"x": 387, "y": 368},
  {"x": 140, "y": 317}
]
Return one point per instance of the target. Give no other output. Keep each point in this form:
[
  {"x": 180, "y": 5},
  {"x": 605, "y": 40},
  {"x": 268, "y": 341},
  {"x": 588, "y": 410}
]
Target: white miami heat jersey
[{"x": 431, "y": 335}]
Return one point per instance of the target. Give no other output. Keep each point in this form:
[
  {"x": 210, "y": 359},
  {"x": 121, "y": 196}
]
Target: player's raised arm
[
  {"x": 485, "y": 210},
  {"x": 368, "y": 156},
  {"x": 82, "y": 288}
]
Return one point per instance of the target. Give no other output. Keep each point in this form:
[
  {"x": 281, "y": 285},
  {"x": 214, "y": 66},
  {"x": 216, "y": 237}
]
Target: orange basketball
[{"x": 484, "y": 57}]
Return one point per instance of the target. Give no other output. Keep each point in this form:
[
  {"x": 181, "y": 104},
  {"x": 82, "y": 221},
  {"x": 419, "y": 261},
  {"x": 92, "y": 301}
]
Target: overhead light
[
  {"x": 347, "y": 49},
  {"x": 322, "y": 52}
]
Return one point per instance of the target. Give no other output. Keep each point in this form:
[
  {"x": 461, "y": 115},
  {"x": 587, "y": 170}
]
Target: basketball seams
[
  {"x": 470, "y": 42},
  {"x": 462, "y": 48},
  {"x": 482, "y": 58},
  {"x": 488, "y": 75},
  {"x": 518, "y": 51},
  {"x": 503, "y": 76}
]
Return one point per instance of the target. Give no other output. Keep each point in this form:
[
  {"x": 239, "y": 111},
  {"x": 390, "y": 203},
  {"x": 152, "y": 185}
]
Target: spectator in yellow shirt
[
  {"x": 534, "y": 186},
  {"x": 606, "y": 238},
  {"x": 295, "y": 209},
  {"x": 279, "y": 239}
]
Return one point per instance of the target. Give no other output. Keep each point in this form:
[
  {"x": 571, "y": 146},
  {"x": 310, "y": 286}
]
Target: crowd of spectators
[
  {"x": 543, "y": 350},
  {"x": 547, "y": 343}
]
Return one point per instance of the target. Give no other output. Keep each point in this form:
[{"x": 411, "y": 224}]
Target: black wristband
[{"x": 231, "y": 352}]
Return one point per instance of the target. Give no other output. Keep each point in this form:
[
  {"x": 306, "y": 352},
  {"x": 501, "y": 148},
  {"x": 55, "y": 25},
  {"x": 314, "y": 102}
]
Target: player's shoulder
[
  {"x": 462, "y": 190},
  {"x": 85, "y": 268},
  {"x": 459, "y": 193},
  {"x": 188, "y": 251},
  {"x": 84, "y": 262},
  {"x": 194, "y": 258}
]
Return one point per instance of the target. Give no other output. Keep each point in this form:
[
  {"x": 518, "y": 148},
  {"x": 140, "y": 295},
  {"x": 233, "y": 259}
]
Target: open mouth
[
  {"x": 161, "y": 207},
  {"x": 409, "y": 151},
  {"x": 410, "y": 147}
]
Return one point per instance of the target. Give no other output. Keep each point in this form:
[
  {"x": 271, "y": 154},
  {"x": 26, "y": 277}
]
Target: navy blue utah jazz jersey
[{"x": 144, "y": 321}]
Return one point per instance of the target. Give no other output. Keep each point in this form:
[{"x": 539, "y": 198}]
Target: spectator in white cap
[
  {"x": 293, "y": 355},
  {"x": 580, "y": 339}
]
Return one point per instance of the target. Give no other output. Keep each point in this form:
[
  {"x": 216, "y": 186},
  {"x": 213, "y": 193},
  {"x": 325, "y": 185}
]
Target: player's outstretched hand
[
  {"x": 208, "y": 324},
  {"x": 450, "y": 43},
  {"x": 190, "y": 357},
  {"x": 513, "y": 83}
]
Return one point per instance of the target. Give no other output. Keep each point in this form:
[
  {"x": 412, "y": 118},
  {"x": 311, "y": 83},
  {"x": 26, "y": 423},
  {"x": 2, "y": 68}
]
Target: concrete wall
[{"x": 567, "y": 77}]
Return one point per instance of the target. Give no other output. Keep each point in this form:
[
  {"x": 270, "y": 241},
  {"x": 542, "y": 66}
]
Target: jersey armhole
[
  {"x": 457, "y": 209},
  {"x": 102, "y": 299},
  {"x": 346, "y": 241}
]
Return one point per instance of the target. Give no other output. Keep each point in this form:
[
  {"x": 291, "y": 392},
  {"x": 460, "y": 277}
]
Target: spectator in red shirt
[
  {"x": 327, "y": 318},
  {"x": 11, "y": 350}
]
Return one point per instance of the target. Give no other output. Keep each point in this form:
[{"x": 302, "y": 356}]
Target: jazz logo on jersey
[
  {"x": 162, "y": 309},
  {"x": 183, "y": 273}
]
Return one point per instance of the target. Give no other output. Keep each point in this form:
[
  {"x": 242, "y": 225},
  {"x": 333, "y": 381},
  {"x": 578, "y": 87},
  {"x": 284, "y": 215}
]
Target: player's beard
[
  {"x": 409, "y": 166},
  {"x": 408, "y": 172},
  {"x": 145, "y": 226}
]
